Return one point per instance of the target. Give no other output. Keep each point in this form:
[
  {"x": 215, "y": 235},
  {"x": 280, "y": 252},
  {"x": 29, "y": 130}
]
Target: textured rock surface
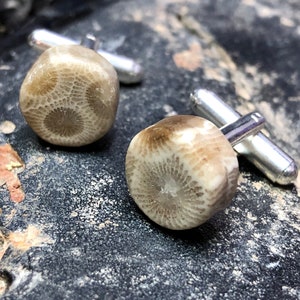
[{"x": 77, "y": 234}]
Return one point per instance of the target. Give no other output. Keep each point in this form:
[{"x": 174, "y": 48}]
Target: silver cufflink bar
[
  {"x": 272, "y": 161},
  {"x": 129, "y": 71}
]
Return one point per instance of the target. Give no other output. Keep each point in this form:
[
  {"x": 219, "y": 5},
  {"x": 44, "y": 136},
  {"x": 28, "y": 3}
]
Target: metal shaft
[
  {"x": 90, "y": 41},
  {"x": 278, "y": 166},
  {"x": 248, "y": 125},
  {"x": 129, "y": 71}
]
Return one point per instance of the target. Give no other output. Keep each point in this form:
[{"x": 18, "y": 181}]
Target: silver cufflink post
[
  {"x": 278, "y": 166},
  {"x": 129, "y": 71},
  {"x": 243, "y": 127}
]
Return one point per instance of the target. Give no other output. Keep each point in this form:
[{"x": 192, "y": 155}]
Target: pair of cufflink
[{"x": 181, "y": 170}]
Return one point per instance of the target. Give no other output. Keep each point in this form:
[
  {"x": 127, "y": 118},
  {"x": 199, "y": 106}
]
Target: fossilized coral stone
[
  {"x": 180, "y": 171},
  {"x": 70, "y": 96}
]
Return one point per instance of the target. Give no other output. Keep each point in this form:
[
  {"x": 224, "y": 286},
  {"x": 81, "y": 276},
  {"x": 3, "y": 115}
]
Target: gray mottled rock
[{"x": 78, "y": 234}]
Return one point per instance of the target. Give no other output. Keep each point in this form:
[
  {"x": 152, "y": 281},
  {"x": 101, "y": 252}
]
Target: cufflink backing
[
  {"x": 272, "y": 161},
  {"x": 129, "y": 71}
]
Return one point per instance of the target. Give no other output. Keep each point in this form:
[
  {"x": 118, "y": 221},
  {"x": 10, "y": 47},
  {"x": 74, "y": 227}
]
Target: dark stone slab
[{"x": 86, "y": 238}]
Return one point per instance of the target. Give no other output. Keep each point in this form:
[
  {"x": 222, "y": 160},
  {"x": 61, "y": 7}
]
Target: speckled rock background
[{"x": 78, "y": 234}]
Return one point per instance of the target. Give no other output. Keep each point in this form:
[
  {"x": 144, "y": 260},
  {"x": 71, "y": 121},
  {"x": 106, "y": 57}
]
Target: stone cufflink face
[
  {"x": 70, "y": 96},
  {"x": 183, "y": 169}
]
